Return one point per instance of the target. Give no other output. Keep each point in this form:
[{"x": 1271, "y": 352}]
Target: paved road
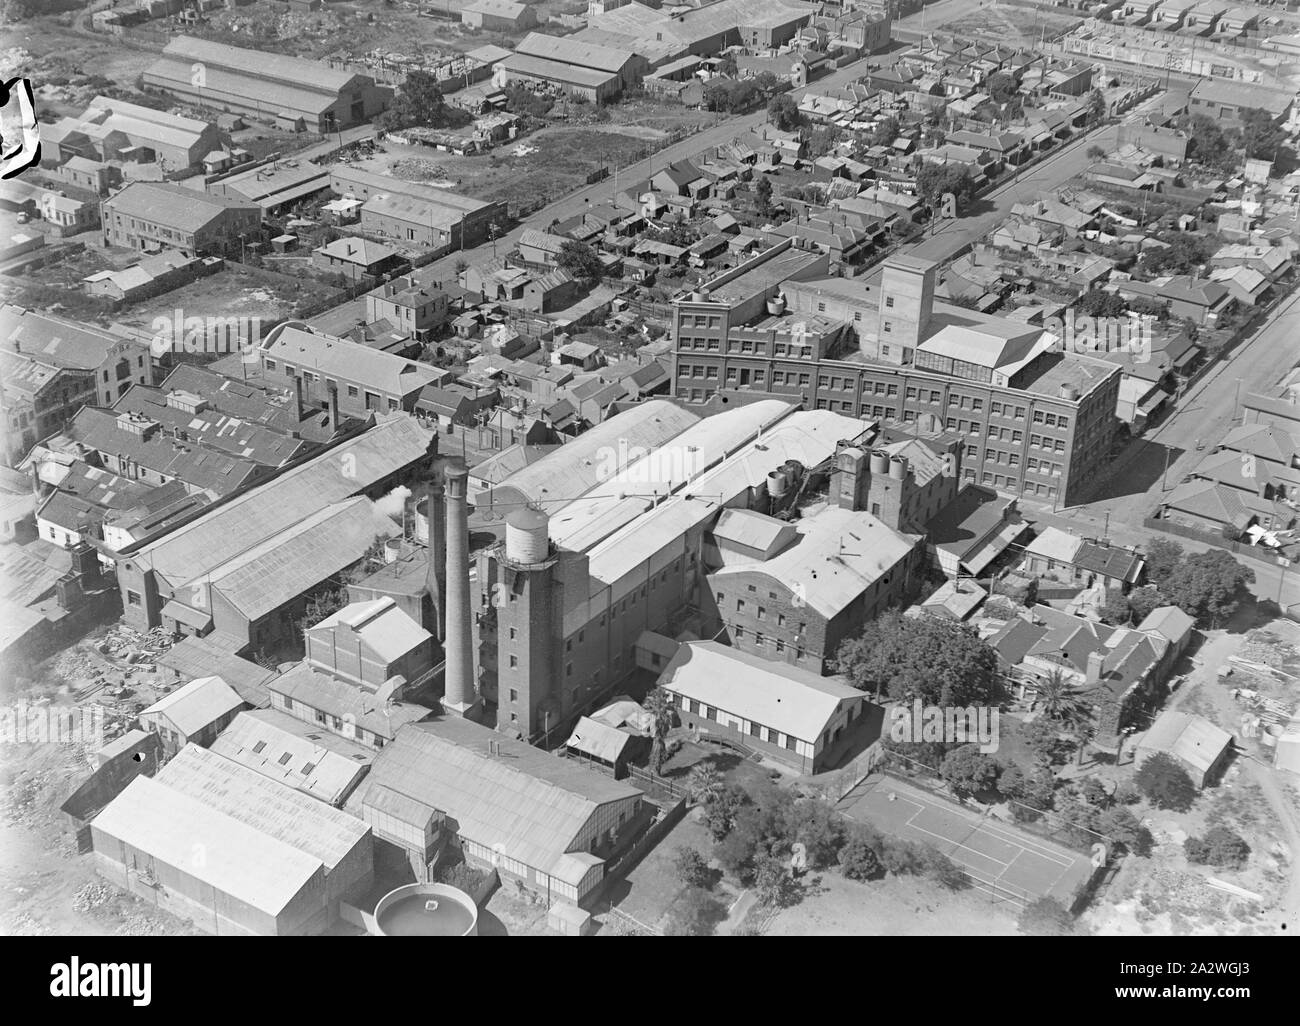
[{"x": 1138, "y": 479}]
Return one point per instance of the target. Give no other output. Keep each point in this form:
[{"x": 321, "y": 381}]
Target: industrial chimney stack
[
  {"x": 436, "y": 573},
  {"x": 459, "y": 698}
]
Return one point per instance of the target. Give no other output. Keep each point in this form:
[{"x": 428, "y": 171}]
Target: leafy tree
[
  {"x": 773, "y": 883},
  {"x": 1115, "y": 610},
  {"x": 727, "y": 66},
  {"x": 763, "y": 195},
  {"x": 1210, "y": 145},
  {"x": 1032, "y": 792},
  {"x": 1095, "y": 152},
  {"x": 1081, "y": 818},
  {"x": 940, "y": 662},
  {"x": 969, "y": 770},
  {"x": 759, "y": 830},
  {"x": 859, "y": 858},
  {"x": 1001, "y": 87},
  {"x": 934, "y": 181},
  {"x": 1043, "y": 739},
  {"x": 692, "y": 868},
  {"x": 1096, "y": 106},
  {"x": 704, "y": 784},
  {"x": 1162, "y": 559},
  {"x": 1166, "y": 783},
  {"x": 1124, "y": 829},
  {"x": 580, "y": 260},
  {"x": 884, "y": 133},
  {"x": 1219, "y": 847},
  {"x": 1100, "y": 303},
  {"x": 681, "y": 234},
  {"x": 1046, "y": 917},
  {"x": 1142, "y": 602},
  {"x": 784, "y": 113},
  {"x": 814, "y": 824},
  {"x": 1209, "y": 585},
  {"x": 695, "y": 913},
  {"x": 1094, "y": 792},
  {"x": 1260, "y": 134},
  {"x": 419, "y": 102},
  {"x": 721, "y": 812},
  {"x": 1183, "y": 255}
]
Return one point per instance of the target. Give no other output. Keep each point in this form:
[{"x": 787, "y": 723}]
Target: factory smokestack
[
  {"x": 459, "y": 698},
  {"x": 436, "y": 572},
  {"x": 334, "y": 407}
]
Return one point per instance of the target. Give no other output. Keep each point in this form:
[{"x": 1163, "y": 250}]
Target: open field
[{"x": 1013, "y": 25}]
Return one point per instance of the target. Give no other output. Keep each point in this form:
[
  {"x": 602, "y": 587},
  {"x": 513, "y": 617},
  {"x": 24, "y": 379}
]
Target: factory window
[
  {"x": 889, "y": 302},
  {"x": 514, "y": 695},
  {"x": 759, "y": 639},
  {"x": 512, "y": 634},
  {"x": 320, "y": 716},
  {"x": 780, "y": 646},
  {"x": 379, "y": 741},
  {"x": 568, "y": 644},
  {"x": 790, "y": 743},
  {"x": 288, "y": 702},
  {"x": 1063, "y": 422},
  {"x": 270, "y": 365},
  {"x": 710, "y": 712},
  {"x": 581, "y": 635},
  {"x": 762, "y": 613},
  {"x": 740, "y": 633},
  {"x": 740, "y": 605},
  {"x": 307, "y": 767},
  {"x": 257, "y": 748},
  {"x": 336, "y": 723},
  {"x": 352, "y": 391},
  {"x": 721, "y": 598},
  {"x": 514, "y": 662},
  {"x": 132, "y": 598},
  {"x": 568, "y": 669},
  {"x": 284, "y": 759}
]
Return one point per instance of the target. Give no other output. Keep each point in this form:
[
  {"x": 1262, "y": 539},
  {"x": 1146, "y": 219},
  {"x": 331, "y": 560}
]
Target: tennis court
[{"x": 1006, "y": 862}]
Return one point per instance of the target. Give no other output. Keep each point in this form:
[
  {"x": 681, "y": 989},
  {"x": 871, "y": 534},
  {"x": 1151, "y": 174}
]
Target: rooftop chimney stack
[
  {"x": 435, "y": 510},
  {"x": 334, "y": 407},
  {"x": 297, "y": 394},
  {"x": 459, "y": 698}
]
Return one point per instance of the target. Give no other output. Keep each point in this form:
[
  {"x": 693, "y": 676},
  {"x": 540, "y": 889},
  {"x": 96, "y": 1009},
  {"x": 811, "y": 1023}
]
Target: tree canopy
[
  {"x": 940, "y": 662},
  {"x": 1208, "y": 585},
  {"x": 580, "y": 260},
  {"x": 419, "y": 103}
]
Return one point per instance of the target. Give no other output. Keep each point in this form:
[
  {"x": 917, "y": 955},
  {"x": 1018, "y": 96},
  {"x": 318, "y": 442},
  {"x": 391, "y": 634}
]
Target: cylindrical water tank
[
  {"x": 422, "y": 521},
  {"x": 879, "y": 462},
  {"x": 897, "y": 468},
  {"x": 392, "y": 550},
  {"x": 527, "y": 536},
  {"x": 776, "y": 484},
  {"x": 1270, "y": 735},
  {"x": 776, "y": 305},
  {"x": 1068, "y": 391}
]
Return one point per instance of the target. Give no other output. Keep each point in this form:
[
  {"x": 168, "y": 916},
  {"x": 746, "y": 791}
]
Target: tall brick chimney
[
  {"x": 436, "y": 572},
  {"x": 459, "y": 697}
]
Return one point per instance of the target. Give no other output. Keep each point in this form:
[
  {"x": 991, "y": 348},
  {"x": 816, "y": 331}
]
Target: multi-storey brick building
[{"x": 1034, "y": 421}]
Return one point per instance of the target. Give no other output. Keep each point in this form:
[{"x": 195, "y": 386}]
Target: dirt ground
[
  {"x": 1165, "y": 894},
  {"x": 228, "y": 293},
  {"x": 894, "y": 906},
  {"x": 1012, "y": 25},
  {"x": 46, "y": 888}
]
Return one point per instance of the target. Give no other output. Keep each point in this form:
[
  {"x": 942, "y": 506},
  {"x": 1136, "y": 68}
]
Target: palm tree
[
  {"x": 1062, "y": 703},
  {"x": 704, "y": 783},
  {"x": 659, "y": 704}
]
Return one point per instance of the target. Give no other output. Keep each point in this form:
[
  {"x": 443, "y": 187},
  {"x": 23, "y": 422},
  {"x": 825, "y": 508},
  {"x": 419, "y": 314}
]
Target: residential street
[{"x": 1137, "y": 480}]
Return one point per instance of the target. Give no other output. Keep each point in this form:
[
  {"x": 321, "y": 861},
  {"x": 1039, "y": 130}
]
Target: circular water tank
[
  {"x": 392, "y": 550},
  {"x": 897, "y": 468},
  {"x": 793, "y": 470},
  {"x": 426, "y": 910},
  {"x": 1270, "y": 734},
  {"x": 422, "y": 521},
  {"x": 527, "y": 536},
  {"x": 776, "y": 305},
  {"x": 776, "y": 484},
  {"x": 1068, "y": 391},
  {"x": 879, "y": 462}
]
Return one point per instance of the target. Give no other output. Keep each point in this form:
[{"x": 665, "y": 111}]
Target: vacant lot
[
  {"x": 548, "y": 163},
  {"x": 232, "y": 292},
  {"x": 1013, "y": 25}
]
